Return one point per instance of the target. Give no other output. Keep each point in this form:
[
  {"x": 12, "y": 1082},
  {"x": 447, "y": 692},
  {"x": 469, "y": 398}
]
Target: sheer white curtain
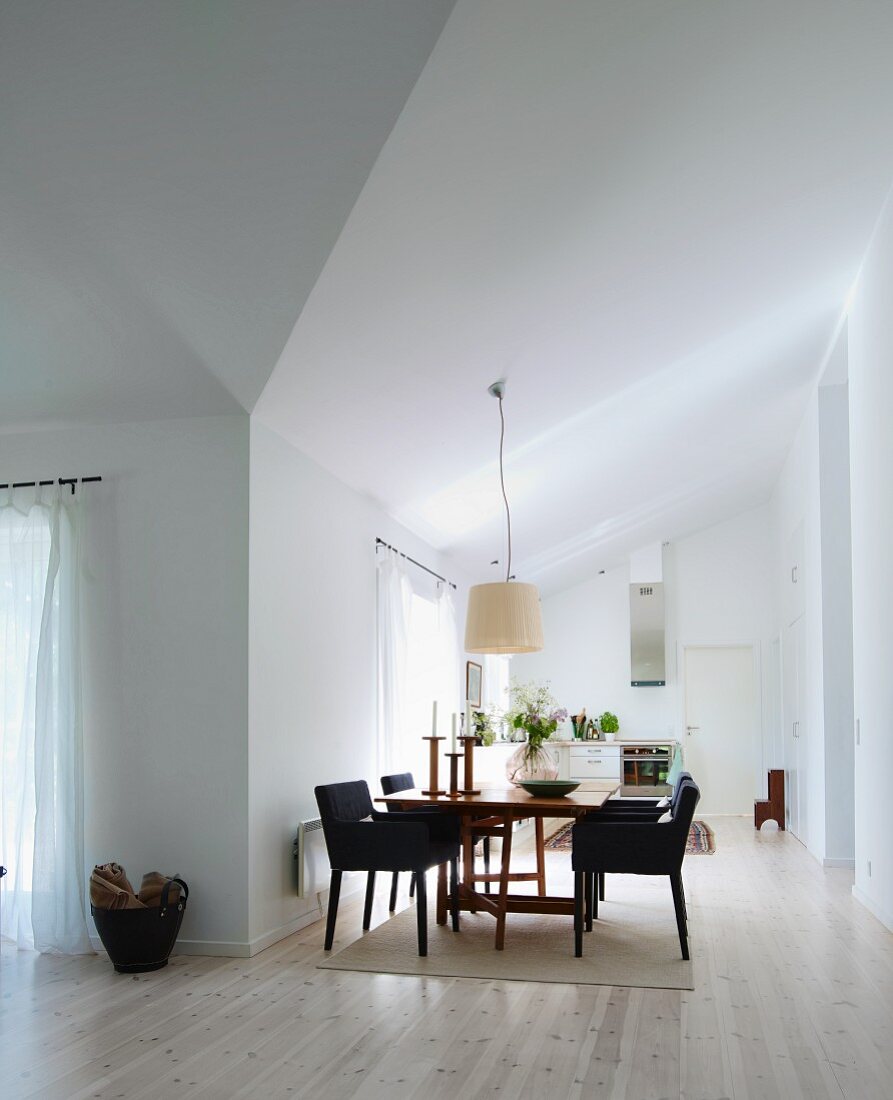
[
  {"x": 394, "y": 611},
  {"x": 418, "y": 662},
  {"x": 451, "y": 685},
  {"x": 41, "y": 782},
  {"x": 432, "y": 673}
]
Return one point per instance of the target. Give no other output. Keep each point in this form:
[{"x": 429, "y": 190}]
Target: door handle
[
  {"x": 796, "y": 729},
  {"x": 794, "y": 574},
  {"x": 689, "y": 729}
]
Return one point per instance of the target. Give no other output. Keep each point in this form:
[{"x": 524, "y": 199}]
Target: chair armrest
[
  {"x": 387, "y": 844},
  {"x": 440, "y": 826},
  {"x": 622, "y": 815},
  {"x": 625, "y": 806},
  {"x": 636, "y": 847}
]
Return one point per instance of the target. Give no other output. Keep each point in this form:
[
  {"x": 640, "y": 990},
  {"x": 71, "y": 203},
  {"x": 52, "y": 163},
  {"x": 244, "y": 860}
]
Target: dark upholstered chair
[
  {"x": 358, "y": 838},
  {"x": 403, "y": 781},
  {"x": 633, "y": 809},
  {"x": 641, "y": 806},
  {"x": 632, "y": 848}
]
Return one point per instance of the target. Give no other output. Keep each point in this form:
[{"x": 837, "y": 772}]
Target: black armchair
[
  {"x": 634, "y": 809},
  {"x": 643, "y": 807},
  {"x": 360, "y": 839},
  {"x": 403, "y": 781},
  {"x": 633, "y": 848}
]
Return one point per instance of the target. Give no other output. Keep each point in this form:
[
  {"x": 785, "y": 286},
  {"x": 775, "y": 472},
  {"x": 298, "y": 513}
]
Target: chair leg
[
  {"x": 579, "y": 890},
  {"x": 412, "y": 885},
  {"x": 487, "y": 862},
  {"x": 601, "y": 886},
  {"x": 392, "y": 904},
  {"x": 595, "y": 895},
  {"x": 679, "y": 905},
  {"x": 454, "y": 893},
  {"x": 334, "y": 894},
  {"x": 370, "y": 894},
  {"x": 587, "y": 901},
  {"x": 421, "y": 912}
]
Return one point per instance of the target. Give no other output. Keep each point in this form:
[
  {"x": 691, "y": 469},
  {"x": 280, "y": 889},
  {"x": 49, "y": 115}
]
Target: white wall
[
  {"x": 586, "y": 656},
  {"x": 313, "y": 659},
  {"x": 795, "y": 502},
  {"x": 813, "y": 491},
  {"x": 871, "y": 465},
  {"x": 166, "y": 662},
  {"x": 721, "y": 593},
  {"x": 837, "y": 622},
  {"x": 718, "y": 592}
]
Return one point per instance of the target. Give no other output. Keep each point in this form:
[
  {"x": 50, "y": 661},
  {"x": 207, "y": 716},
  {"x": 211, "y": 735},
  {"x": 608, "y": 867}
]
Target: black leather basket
[{"x": 138, "y": 940}]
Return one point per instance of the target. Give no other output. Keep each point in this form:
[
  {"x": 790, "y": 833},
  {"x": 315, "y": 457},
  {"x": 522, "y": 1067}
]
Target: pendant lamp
[{"x": 503, "y": 617}]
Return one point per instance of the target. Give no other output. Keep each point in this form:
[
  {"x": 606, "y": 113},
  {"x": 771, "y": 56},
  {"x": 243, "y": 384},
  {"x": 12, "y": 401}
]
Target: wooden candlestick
[
  {"x": 454, "y": 758},
  {"x": 433, "y": 753},
  {"x": 469, "y": 787}
]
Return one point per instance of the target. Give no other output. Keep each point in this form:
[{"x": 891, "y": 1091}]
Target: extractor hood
[{"x": 647, "y": 620}]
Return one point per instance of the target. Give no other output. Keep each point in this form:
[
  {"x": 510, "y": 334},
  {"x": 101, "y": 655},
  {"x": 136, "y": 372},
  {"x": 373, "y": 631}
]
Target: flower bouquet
[{"x": 535, "y": 711}]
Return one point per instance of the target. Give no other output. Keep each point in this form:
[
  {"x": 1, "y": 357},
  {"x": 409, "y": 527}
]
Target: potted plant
[
  {"x": 535, "y": 711},
  {"x": 484, "y": 734},
  {"x": 609, "y": 725}
]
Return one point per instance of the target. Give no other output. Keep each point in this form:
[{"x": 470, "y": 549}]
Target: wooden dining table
[{"x": 494, "y": 812}]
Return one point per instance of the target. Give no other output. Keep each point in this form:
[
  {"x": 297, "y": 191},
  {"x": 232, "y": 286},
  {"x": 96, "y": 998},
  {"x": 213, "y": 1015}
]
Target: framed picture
[{"x": 474, "y": 675}]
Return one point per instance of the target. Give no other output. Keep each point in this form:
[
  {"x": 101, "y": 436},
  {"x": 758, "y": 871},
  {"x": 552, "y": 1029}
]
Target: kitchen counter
[
  {"x": 554, "y": 742},
  {"x": 616, "y": 741},
  {"x": 592, "y": 760}
]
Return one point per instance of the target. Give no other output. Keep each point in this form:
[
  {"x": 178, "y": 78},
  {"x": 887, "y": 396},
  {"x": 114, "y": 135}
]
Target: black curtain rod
[
  {"x": 72, "y": 481},
  {"x": 387, "y": 546}
]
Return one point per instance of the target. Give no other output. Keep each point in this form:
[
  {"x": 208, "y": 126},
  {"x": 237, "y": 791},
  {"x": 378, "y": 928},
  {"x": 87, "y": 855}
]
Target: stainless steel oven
[{"x": 645, "y": 769}]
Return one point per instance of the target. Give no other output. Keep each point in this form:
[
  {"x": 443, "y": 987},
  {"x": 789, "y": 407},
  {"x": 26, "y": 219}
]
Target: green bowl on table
[{"x": 549, "y": 788}]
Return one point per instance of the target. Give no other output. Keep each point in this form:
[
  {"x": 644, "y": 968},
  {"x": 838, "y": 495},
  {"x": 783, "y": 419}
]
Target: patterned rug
[{"x": 701, "y": 840}]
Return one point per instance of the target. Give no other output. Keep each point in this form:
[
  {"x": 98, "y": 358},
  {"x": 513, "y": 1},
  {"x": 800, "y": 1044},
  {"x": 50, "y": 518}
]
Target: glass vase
[{"x": 530, "y": 762}]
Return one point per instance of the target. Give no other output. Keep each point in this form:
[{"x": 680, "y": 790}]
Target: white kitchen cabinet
[
  {"x": 593, "y": 762},
  {"x": 556, "y": 755},
  {"x": 489, "y": 764}
]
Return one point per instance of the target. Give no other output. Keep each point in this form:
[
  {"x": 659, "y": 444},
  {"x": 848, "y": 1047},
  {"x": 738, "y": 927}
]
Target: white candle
[
  {"x": 469, "y": 719},
  {"x": 453, "y": 746},
  {"x": 434, "y": 719}
]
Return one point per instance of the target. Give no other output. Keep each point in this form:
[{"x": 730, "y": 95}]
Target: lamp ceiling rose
[{"x": 497, "y": 389}]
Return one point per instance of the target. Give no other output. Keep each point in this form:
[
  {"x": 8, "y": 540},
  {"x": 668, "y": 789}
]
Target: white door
[
  {"x": 722, "y": 729},
  {"x": 794, "y": 692}
]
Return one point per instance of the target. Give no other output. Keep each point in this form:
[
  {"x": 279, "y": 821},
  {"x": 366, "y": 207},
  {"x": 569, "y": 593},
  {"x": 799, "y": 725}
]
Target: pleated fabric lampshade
[{"x": 503, "y": 617}]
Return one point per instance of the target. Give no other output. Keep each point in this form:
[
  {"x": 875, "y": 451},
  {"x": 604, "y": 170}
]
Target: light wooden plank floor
[{"x": 794, "y": 999}]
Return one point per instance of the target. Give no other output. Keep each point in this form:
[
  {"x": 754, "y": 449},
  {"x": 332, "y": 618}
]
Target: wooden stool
[{"x": 771, "y": 808}]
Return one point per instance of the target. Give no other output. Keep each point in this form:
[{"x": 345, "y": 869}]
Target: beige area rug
[{"x": 633, "y": 943}]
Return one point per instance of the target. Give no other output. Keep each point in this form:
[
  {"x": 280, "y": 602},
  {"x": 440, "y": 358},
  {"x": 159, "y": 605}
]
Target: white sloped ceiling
[
  {"x": 172, "y": 179},
  {"x": 647, "y": 217}
]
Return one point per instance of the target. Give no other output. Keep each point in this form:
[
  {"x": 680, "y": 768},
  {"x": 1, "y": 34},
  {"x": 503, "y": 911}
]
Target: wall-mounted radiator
[{"x": 311, "y": 863}]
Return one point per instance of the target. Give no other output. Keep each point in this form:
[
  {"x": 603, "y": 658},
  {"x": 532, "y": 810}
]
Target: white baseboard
[
  {"x": 226, "y": 949},
  {"x": 261, "y": 943},
  {"x": 217, "y": 948},
  {"x": 235, "y": 949},
  {"x": 352, "y": 883},
  {"x": 849, "y": 864},
  {"x": 885, "y": 918}
]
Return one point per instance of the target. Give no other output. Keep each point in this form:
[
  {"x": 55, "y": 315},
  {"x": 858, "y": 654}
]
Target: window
[
  {"x": 25, "y": 542},
  {"x": 431, "y": 674},
  {"x": 496, "y": 682}
]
